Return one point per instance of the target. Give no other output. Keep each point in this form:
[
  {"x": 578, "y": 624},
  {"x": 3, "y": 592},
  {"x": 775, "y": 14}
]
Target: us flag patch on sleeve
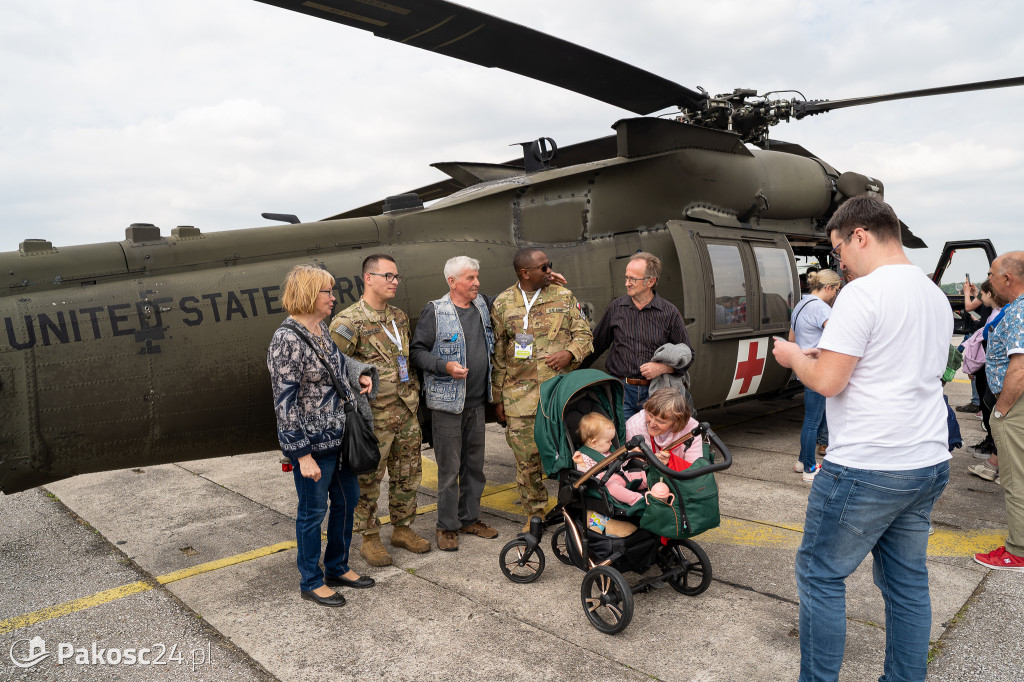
[{"x": 344, "y": 331}]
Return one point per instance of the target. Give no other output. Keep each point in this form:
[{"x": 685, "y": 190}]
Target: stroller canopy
[{"x": 582, "y": 391}]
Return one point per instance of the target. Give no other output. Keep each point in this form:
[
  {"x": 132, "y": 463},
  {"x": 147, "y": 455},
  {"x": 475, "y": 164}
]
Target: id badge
[
  {"x": 403, "y": 369},
  {"x": 524, "y": 346}
]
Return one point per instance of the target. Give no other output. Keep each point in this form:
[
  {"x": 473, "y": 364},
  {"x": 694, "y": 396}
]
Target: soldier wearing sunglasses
[{"x": 539, "y": 333}]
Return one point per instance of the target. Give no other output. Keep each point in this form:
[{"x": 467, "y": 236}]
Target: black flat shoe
[
  {"x": 338, "y": 581},
  {"x": 334, "y": 600}
]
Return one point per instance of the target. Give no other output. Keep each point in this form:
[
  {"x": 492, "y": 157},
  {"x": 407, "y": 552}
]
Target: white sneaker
[
  {"x": 809, "y": 475},
  {"x": 984, "y": 470},
  {"x": 798, "y": 467}
]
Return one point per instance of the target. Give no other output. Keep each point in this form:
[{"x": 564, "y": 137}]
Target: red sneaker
[{"x": 1001, "y": 560}]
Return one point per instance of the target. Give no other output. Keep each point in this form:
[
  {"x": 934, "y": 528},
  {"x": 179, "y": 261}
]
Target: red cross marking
[{"x": 749, "y": 368}]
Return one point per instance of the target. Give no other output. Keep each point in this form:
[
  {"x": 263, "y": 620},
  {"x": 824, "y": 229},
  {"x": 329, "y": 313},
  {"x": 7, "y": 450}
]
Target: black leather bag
[
  {"x": 359, "y": 446},
  {"x": 360, "y": 449}
]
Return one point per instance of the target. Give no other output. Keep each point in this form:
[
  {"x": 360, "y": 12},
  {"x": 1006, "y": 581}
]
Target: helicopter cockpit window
[
  {"x": 778, "y": 295},
  {"x": 730, "y": 287}
]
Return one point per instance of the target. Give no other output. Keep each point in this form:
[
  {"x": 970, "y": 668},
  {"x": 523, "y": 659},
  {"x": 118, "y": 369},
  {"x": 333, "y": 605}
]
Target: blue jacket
[{"x": 443, "y": 392}]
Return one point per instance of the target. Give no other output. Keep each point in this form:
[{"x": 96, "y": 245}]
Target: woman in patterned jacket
[{"x": 310, "y": 424}]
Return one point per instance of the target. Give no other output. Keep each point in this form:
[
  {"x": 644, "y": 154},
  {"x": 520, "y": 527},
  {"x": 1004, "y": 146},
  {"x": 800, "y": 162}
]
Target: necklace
[{"x": 324, "y": 343}]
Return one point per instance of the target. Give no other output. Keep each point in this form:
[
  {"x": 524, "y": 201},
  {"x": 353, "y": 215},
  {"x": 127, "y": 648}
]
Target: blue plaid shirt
[{"x": 1005, "y": 339}]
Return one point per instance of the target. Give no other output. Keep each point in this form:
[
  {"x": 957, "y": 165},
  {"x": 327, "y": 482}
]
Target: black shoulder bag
[{"x": 360, "y": 449}]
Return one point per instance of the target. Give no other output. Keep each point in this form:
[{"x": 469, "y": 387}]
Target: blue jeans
[
  {"x": 633, "y": 399},
  {"x": 814, "y": 416},
  {"x": 851, "y": 512},
  {"x": 342, "y": 487}
]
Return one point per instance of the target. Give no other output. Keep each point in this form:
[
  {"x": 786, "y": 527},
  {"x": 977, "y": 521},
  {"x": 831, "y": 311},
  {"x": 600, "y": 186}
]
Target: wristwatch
[{"x": 997, "y": 414}]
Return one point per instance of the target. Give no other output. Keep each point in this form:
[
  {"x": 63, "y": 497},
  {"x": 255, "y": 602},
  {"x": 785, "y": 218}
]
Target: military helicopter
[{"x": 152, "y": 349}]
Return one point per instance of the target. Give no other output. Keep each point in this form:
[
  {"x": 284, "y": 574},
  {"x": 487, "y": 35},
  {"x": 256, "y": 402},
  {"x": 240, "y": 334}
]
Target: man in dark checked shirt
[{"x": 634, "y": 326}]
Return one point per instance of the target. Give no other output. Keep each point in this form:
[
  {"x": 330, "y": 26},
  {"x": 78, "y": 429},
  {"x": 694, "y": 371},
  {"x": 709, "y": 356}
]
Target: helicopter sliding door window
[
  {"x": 775, "y": 270},
  {"x": 730, "y": 286}
]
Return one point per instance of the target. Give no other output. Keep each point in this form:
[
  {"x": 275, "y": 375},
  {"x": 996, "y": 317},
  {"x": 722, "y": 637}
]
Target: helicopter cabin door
[
  {"x": 960, "y": 263},
  {"x": 740, "y": 288}
]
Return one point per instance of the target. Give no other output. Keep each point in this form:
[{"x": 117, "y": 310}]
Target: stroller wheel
[
  {"x": 519, "y": 564},
  {"x": 607, "y": 599},
  {"x": 696, "y": 575},
  {"x": 558, "y": 545}
]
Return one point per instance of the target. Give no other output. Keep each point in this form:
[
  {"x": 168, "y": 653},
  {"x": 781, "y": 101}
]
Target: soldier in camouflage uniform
[
  {"x": 539, "y": 333},
  {"x": 375, "y": 332}
]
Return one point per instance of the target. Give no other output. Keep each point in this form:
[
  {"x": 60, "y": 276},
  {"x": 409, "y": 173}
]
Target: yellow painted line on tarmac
[
  {"x": 964, "y": 542},
  {"x": 100, "y": 598},
  {"x": 429, "y": 478},
  {"x": 945, "y": 543},
  {"x": 224, "y": 563},
  {"x": 68, "y": 607}
]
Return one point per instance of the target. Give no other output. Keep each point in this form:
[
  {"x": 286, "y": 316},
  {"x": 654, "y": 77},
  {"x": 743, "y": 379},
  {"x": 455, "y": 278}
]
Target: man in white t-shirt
[{"x": 879, "y": 364}]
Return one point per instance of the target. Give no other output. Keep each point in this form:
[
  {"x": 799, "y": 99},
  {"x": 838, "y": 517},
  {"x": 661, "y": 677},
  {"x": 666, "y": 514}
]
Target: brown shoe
[
  {"x": 404, "y": 536},
  {"x": 480, "y": 529},
  {"x": 373, "y": 551},
  {"x": 822, "y": 449},
  {"x": 447, "y": 540}
]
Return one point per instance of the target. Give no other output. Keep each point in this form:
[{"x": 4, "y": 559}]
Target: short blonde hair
[
  {"x": 593, "y": 424},
  {"x": 821, "y": 279},
  {"x": 670, "y": 404},
  {"x": 302, "y": 286}
]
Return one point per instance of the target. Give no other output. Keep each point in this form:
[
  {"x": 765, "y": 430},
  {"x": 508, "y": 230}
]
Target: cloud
[{"x": 118, "y": 111}]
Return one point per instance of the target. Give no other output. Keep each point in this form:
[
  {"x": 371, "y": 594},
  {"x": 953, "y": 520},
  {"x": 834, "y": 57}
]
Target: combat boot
[
  {"x": 373, "y": 551},
  {"x": 404, "y": 536}
]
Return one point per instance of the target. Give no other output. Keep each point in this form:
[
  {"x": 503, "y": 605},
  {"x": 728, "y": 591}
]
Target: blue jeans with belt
[
  {"x": 340, "y": 488},
  {"x": 851, "y": 512},
  {"x": 633, "y": 398}
]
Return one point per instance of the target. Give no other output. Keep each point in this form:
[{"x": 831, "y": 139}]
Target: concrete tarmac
[{"x": 199, "y": 556}]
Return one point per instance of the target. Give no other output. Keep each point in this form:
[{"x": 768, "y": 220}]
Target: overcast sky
[{"x": 209, "y": 112}]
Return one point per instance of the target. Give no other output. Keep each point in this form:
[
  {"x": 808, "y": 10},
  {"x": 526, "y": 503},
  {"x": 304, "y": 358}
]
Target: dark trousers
[{"x": 459, "y": 451}]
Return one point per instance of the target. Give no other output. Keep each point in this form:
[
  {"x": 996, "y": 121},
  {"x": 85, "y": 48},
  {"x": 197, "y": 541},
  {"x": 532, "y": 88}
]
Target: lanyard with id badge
[
  {"x": 403, "y": 362},
  {"x": 524, "y": 341}
]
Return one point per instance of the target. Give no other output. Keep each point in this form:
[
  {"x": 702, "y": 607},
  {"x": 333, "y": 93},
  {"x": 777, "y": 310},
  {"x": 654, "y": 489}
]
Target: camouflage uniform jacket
[
  {"x": 556, "y": 324},
  {"x": 358, "y": 331}
]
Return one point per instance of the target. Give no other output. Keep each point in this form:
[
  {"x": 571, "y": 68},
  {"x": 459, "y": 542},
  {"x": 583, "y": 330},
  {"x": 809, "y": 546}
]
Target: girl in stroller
[{"x": 666, "y": 417}]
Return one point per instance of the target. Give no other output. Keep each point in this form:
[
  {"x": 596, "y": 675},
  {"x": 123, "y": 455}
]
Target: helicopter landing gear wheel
[
  {"x": 696, "y": 575},
  {"x": 607, "y": 599},
  {"x": 519, "y": 564},
  {"x": 558, "y": 545}
]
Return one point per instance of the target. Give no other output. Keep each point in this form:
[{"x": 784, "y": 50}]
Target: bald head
[
  {"x": 1011, "y": 263},
  {"x": 1007, "y": 276}
]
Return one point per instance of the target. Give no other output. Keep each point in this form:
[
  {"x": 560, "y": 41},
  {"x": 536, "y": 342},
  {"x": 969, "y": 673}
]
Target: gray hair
[
  {"x": 458, "y": 265},
  {"x": 652, "y": 264}
]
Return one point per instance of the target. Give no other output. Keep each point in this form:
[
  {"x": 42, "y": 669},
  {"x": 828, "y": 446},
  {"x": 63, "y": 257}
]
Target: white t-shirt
[{"x": 891, "y": 415}]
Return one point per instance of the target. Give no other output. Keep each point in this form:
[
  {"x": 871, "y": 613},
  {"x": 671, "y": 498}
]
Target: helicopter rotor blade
[
  {"x": 801, "y": 109},
  {"x": 472, "y": 36}
]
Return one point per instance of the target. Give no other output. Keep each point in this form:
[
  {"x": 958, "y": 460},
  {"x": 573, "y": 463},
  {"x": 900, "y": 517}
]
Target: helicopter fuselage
[{"x": 153, "y": 349}]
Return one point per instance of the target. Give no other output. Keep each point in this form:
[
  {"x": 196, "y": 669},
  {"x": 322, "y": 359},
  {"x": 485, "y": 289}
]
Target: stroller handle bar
[{"x": 687, "y": 474}]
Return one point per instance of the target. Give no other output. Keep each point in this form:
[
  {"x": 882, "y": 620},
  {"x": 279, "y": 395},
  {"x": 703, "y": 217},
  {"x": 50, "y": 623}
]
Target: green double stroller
[{"x": 663, "y": 528}]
